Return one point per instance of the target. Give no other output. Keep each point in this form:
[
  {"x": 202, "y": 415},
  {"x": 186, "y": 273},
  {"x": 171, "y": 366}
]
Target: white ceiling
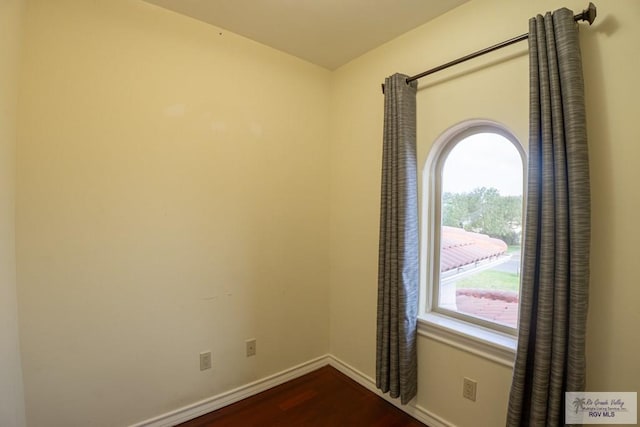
[{"x": 329, "y": 33}]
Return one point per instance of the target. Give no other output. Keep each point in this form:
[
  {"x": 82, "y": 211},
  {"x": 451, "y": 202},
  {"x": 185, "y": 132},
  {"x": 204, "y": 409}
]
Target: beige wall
[
  {"x": 176, "y": 184},
  {"x": 172, "y": 197},
  {"x": 493, "y": 87},
  {"x": 11, "y": 389}
]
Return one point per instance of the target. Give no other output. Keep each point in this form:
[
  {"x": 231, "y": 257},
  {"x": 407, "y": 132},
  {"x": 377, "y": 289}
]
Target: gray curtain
[
  {"x": 550, "y": 358},
  {"x": 396, "y": 359}
]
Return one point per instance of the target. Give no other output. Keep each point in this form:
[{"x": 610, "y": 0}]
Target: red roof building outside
[
  {"x": 462, "y": 251},
  {"x": 462, "y": 248}
]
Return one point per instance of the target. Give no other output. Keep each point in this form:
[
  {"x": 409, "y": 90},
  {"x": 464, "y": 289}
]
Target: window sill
[{"x": 491, "y": 345}]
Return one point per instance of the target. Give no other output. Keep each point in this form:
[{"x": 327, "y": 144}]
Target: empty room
[{"x": 430, "y": 202}]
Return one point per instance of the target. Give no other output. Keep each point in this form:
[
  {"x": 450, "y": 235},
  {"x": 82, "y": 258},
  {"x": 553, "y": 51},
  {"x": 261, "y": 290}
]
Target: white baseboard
[
  {"x": 205, "y": 406},
  {"x": 413, "y": 409}
]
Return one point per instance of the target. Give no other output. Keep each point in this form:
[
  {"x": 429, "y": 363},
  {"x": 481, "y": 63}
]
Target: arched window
[{"x": 474, "y": 193}]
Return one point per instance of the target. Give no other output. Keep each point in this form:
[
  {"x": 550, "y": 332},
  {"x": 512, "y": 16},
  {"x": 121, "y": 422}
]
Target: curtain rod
[{"x": 589, "y": 15}]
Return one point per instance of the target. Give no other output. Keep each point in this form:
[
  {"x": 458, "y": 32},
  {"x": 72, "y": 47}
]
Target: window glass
[{"x": 480, "y": 229}]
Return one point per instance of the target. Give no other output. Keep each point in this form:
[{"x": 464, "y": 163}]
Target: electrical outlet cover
[
  {"x": 251, "y": 347},
  {"x": 205, "y": 360},
  {"x": 469, "y": 389}
]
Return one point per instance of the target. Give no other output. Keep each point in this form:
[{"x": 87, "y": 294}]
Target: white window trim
[
  {"x": 468, "y": 337},
  {"x": 473, "y": 338}
]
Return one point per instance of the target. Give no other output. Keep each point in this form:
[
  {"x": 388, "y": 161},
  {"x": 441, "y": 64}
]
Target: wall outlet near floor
[
  {"x": 205, "y": 360},
  {"x": 469, "y": 389},
  {"x": 251, "y": 347}
]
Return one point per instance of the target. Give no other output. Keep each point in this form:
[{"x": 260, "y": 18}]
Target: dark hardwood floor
[{"x": 324, "y": 397}]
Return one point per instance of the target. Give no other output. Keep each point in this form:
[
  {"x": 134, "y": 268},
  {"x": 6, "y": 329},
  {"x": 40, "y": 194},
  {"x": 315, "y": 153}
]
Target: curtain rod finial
[{"x": 589, "y": 14}]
